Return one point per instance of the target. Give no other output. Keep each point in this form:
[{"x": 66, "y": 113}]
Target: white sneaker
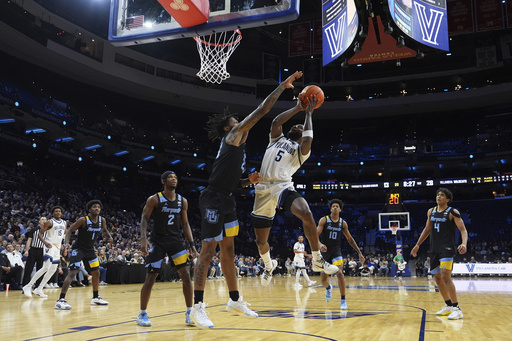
[
  {"x": 311, "y": 283},
  {"x": 266, "y": 277},
  {"x": 55, "y": 285},
  {"x": 98, "y": 301},
  {"x": 40, "y": 293},
  {"x": 27, "y": 290},
  {"x": 456, "y": 314},
  {"x": 200, "y": 315},
  {"x": 445, "y": 311},
  {"x": 47, "y": 286},
  {"x": 320, "y": 265},
  {"x": 297, "y": 285},
  {"x": 61, "y": 304},
  {"x": 240, "y": 307},
  {"x": 103, "y": 283}
]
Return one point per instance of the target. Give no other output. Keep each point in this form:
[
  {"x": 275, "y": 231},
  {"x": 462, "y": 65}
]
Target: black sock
[
  {"x": 95, "y": 294},
  {"x": 455, "y": 305},
  {"x": 234, "y": 295},
  {"x": 449, "y": 303},
  {"x": 62, "y": 296},
  {"x": 198, "y": 296},
  {"x": 342, "y": 297}
]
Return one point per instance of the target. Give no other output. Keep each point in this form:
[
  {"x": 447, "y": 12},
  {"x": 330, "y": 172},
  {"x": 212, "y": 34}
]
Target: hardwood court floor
[{"x": 379, "y": 309}]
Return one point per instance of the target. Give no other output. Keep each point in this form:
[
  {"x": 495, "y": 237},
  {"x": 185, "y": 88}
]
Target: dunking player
[
  {"x": 169, "y": 211},
  {"x": 330, "y": 228},
  {"x": 219, "y": 224},
  {"x": 56, "y": 229},
  {"x": 283, "y": 157},
  {"x": 83, "y": 250},
  {"x": 441, "y": 223}
]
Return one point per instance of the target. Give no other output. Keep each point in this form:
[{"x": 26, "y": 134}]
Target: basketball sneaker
[
  {"x": 311, "y": 283},
  {"x": 266, "y": 277},
  {"x": 98, "y": 301},
  {"x": 240, "y": 307},
  {"x": 143, "y": 320},
  {"x": 188, "y": 319},
  {"x": 343, "y": 305},
  {"x": 445, "y": 311},
  {"x": 61, "y": 304},
  {"x": 200, "y": 315},
  {"x": 297, "y": 285},
  {"x": 456, "y": 314},
  {"x": 27, "y": 290},
  {"x": 40, "y": 293},
  {"x": 320, "y": 265},
  {"x": 328, "y": 293}
]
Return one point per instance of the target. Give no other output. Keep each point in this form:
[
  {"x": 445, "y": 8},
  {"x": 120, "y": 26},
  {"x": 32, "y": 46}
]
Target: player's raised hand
[{"x": 288, "y": 82}]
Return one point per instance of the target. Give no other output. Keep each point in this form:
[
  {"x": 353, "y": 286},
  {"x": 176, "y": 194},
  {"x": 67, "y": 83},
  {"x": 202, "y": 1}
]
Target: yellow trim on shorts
[
  {"x": 448, "y": 265},
  {"x": 338, "y": 262},
  {"x": 232, "y": 231},
  {"x": 95, "y": 264},
  {"x": 181, "y": 259}
]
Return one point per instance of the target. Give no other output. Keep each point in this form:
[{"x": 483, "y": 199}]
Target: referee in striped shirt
[{"x": 34, "y": 253}]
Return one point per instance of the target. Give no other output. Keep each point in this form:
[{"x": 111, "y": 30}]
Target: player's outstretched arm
[
  {"x": 424, "y": 235},
  {"x": 307, "y": 134},
  {"x": 238, "y": 134}
]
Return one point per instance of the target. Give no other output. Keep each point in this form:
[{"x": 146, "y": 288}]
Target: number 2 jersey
[
  {"x": 167, "y": 217},
  {"x": 442, "y": 231}
]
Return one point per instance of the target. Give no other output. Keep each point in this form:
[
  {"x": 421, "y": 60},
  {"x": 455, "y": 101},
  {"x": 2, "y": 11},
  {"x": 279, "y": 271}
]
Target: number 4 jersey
[{"x": 442, "y": 231}]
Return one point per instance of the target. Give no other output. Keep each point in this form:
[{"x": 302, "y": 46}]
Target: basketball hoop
[
  {"x": 394, "y": 229},
  {"x": 215, "y": 50}
]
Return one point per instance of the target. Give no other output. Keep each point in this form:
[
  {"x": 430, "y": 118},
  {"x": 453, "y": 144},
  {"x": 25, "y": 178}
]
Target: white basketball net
[{"x": 215, "y": 51}]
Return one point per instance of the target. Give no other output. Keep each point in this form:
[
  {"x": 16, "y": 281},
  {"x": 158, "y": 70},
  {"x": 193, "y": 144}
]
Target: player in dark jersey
[
  {"x": 219, "y": 224},
  {"x": 330, "y": 228},
  {"x": 89, "y": 227},
  {"x": 442, "y": 220},
  {"x": 169, "y": 212}
]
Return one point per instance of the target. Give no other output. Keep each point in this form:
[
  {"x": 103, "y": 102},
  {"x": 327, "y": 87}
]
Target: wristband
[{"x": 307, "y": 133}]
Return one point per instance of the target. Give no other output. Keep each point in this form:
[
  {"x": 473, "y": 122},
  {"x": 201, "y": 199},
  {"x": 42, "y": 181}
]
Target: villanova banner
[
  {"x": 423, "y": 20},
  {"x": 340, "y": 23}
]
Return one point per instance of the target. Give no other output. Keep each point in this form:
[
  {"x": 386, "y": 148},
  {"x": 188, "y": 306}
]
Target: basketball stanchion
[{"x": 215, "y": 50}]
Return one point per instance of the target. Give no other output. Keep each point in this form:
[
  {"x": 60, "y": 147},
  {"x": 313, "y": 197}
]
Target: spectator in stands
[
  {"x": 383, "y": 267},
  {"x": 289, "y": 267},
  {"x": 137, "y": 259},
  {"x": 12, "y": 266},
  {"x": 426, "y": 266}
]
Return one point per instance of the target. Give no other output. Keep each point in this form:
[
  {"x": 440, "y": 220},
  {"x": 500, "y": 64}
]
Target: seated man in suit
[{"x": 11, "y": 268}]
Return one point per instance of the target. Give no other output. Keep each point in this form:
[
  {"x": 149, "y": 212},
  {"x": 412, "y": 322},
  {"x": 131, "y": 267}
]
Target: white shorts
[
  {"x": 53, "y": 254},
  {"x": 299, "y": 263},
  {"x": 267, "y": 198}
]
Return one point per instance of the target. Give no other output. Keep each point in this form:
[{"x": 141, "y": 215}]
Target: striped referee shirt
[{"x": 36, "y": 242}]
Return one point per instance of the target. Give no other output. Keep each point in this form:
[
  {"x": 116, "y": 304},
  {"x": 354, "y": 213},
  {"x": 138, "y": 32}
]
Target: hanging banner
[{"x": 340, "y": 24}]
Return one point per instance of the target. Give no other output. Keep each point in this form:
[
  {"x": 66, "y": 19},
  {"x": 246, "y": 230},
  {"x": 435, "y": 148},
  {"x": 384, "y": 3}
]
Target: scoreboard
[{"x": 334, "y": 185}]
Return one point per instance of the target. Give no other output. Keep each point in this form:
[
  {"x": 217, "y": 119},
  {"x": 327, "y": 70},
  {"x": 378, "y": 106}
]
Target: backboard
[
  {"x": 399, "y": 219},
  {"x": 135, "y": 22}
]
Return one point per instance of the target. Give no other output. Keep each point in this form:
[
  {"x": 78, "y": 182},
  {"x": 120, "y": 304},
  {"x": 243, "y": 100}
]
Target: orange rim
[{"x": 221, "y": 45}]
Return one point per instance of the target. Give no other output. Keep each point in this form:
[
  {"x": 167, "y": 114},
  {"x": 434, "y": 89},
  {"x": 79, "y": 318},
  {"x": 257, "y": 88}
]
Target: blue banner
[
  {"x": 339, "y": 23},
  {"x": 423, "y": 20}
]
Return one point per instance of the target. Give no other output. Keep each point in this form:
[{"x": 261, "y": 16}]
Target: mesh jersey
[
  {"x": 299, "y": 247},
  {"x": 167, "y": 216},
  {"x": 331, "y": 234},
  {"x": 87, "y": 235},
  {"x": 281, "y": 160},
  {"x": 55, "y": 233},
  {"x": 442, "y": 231},
  {"x": 228, "y": 167}
]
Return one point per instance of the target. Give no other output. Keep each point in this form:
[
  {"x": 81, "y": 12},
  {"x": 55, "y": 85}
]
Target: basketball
[{"x": 310, "y": 91}]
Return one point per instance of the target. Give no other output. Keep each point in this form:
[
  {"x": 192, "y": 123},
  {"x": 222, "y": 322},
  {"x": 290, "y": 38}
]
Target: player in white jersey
[
  {"x": 283, "y": 157},
  {"x": 55, "y": 229},
  {"x": 298, "y": 262}
]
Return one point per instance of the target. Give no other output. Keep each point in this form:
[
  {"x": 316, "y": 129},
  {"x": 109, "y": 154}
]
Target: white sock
[
  {"x": 304, "y": 272},
  {"x": 316, "y": 255},
  {"x": 268, "y": 261},
  {"x": 297, "y": 276},
  {"x": 143, "y": 311}
]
